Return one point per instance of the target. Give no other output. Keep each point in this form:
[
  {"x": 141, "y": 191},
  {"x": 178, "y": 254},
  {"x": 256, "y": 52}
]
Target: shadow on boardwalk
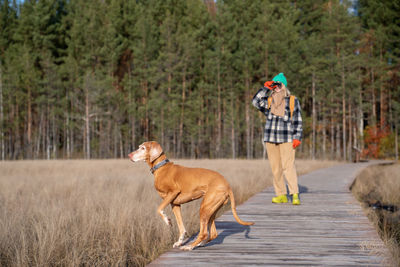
[{"x": 228, "y": 229}]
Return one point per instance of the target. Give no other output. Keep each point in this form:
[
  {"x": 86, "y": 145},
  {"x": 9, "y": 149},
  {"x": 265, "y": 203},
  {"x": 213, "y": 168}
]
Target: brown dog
[{"x": 178, "y": 185}]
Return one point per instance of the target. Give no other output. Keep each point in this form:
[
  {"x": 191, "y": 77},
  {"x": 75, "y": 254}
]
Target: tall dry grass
[
  {"x": 101, "y": 212},
  {"x": 379, "y": 186}
]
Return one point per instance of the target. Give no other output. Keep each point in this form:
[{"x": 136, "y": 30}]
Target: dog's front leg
[
  {"x": 168, "y": 199},
  {"x": 182, "y": 231}
]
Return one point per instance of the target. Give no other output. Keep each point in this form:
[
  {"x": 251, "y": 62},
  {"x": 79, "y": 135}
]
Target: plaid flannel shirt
[{"x": 279, "y": 129}]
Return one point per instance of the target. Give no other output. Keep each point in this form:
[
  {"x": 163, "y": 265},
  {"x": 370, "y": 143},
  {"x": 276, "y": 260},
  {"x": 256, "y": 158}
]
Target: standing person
[{"x": 282, "y": 134}]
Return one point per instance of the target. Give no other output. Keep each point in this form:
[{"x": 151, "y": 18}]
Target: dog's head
[{"x": 148, "y": 151}]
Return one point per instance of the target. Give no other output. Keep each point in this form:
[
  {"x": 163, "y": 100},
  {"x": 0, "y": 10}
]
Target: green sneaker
[
  {"x": 279, "y": 199},
  {"x": 295, "y": 199}
]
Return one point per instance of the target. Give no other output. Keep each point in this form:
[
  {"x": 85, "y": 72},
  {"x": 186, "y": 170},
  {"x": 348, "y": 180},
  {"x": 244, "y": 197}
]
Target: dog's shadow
[{"x": 229, "y": 228}]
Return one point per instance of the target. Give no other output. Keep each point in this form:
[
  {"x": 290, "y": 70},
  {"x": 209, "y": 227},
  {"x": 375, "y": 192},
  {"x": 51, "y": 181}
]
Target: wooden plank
[{"x": 328, "y": 228}]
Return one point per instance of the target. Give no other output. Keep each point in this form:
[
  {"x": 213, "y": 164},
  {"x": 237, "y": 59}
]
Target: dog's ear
[{"x": 155, "y": 151}]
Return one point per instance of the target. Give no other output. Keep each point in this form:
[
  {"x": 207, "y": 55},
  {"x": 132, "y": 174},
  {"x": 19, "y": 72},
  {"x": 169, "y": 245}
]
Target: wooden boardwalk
[{"x": 328, "y": 228}]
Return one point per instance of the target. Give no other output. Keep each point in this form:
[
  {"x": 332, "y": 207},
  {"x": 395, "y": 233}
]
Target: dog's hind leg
[
  {"x": 213, "y": 229},
  {"x": 203, "y": 234},
  {"x": 211, "y": 203},
  {"x": 182, "y": 231}
]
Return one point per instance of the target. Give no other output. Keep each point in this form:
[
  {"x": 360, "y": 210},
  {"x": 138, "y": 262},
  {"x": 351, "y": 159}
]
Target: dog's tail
[{"x": 233, "y": 205}]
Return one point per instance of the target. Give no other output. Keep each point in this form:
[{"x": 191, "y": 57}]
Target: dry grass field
[
  {"x": 378, "y": 186},
  {"x": 102, "y": 212}
]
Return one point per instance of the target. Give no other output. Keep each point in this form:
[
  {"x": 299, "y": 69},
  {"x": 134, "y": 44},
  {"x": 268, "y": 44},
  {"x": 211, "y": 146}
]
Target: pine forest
[{"x": 96, "y": 78}]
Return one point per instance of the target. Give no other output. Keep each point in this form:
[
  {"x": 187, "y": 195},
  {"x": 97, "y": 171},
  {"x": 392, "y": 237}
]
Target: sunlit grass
[{"x": 381, "y": 184}]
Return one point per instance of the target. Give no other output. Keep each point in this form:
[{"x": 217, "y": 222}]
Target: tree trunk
[
  {"x": 71, "y": 130},
  {"x": 338, "y": 152},
  {"x": 146, "y": 119},
  {"x": 2, "y": 146},
  {"x": 121, "y": 144},
  {"x": 251, "y": 131},
  {"x": 395, "y": 125},
  {"x": 360, "y": 118},
  {"x": 396, "y": 142},
  {"x": 132, "y": 118},
  {"x": 247, "y": 114},
  {"x": 219, "y": 118},
  {"x": 115, "y": 142},
  {"x": 383, "y": 102},
  {"x": 39, "y": 136},
  {"x": 314, "y": 117},
  {"x": 54, "y": 136},
  {"x": 87, "y": 124},
  {"x": 29, "y": 128},
  {"x": 207, "y": 144},
  {"x": 355, "y": 142},
  {"x": 324, "y": 137},
  {"x": 17, "y": 146},
  {"x": 373, "y": 116},
  {"x": 101, "y": 137},
  {"x": 168, "y": 131},
  {"x": 133, "y": 133},
  {"x": 350, "y": 145},
  {"x": 174, "y": 143},
  {"x": 332, "y": 127},
  {"x": 162, "y": 134},
  {"x": 133, "y": 129},
  {"x": 44, "y": 134},
  {"x": 192, "y": 147},
  {"x": 344, "y": 111},
  {"x": 67, "y": 133},
  {"x": 108, "y": 141},
  {"x": 48, "y": 144},
  {"x": 181, "y": 123},
  {"x": 199, "y": 140},
  {"x": 233, "y": 147},
  {"x": 200, "y": 120}
]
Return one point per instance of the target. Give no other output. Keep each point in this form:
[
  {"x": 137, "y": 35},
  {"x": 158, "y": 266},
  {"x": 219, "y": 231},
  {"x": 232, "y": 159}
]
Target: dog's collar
[{"x": 159, "y": 165}]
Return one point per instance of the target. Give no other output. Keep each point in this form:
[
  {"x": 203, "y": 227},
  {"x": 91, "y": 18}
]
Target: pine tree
[
  {"x": 87, "y": 62},
  {"x": 7, "y": 25},
  {"x": 380, "y": 20}
]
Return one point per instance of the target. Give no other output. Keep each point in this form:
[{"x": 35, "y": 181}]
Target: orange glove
[
  {"x": 269, "y": 85},
  {"x": 296, "y": 143}
]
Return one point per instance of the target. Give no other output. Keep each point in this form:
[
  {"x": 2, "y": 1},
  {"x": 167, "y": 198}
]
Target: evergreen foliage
[{"x": 94, "y": 79}]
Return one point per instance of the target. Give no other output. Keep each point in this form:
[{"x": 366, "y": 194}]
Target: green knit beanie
[{"x": 280, "y": 78}]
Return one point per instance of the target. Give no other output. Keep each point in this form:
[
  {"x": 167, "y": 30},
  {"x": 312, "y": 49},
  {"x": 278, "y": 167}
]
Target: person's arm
[
  {"x": 260, "y": 100},
  {"x": 297, "y": 124}
]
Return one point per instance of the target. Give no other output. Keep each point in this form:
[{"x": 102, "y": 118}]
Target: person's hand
[
  {"x": 296, "y": 143},
  {"x": 268, "y": 85}
]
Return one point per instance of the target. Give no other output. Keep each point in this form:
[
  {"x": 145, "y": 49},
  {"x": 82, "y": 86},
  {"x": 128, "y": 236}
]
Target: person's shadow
[
  {"x": 302, "y": 189},
  {"x": 229, "y": 228}
]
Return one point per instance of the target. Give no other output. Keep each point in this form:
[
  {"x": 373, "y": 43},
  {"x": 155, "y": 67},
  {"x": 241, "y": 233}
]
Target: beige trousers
[{"x": 281, "y": 158}]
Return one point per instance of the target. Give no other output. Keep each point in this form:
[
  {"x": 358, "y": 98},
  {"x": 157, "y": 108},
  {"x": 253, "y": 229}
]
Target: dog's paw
[
  {"x": 167, "y": 221},
  {"x": 177, "y": 244},
  {"x": 187, "y": 248}
]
